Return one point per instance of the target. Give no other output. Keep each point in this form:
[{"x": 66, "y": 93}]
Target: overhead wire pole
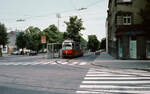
[{"x": 58, "y": 16}]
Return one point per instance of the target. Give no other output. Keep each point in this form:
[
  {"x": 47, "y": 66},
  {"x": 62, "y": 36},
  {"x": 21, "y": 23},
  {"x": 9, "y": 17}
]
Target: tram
[{"x": 71, "y": 49}]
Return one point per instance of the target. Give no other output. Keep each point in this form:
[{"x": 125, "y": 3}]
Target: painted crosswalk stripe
[
  {"x": 113, "y": 92},
  {"x": 64, "y": 63},
  {"x": 95, "y": 72},
  {"x": 16, "y": 64},
  {"x": 115, "y": 82},
  {"x": 45, "y": 63},
  {"x": 89, "y": 92},
  {"x": 112, "y": 87},
  {"x": 53, "y": 63},
  {"x": 25, "y": 64},
  {"x": 74, "y": 63},
  {"x": 105, "y": 75},
  {"x": 117, "y": 78},
  {"x": 99, "y": 81},
  {"x": 83, "y": 63}
]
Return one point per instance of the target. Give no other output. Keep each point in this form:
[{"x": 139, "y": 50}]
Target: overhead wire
[{"x": 75, "y": 8}]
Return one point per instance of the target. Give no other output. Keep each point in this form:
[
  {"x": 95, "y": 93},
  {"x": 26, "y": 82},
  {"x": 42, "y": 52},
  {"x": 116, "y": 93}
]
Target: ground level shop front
[{"x": 133, "y": 47}]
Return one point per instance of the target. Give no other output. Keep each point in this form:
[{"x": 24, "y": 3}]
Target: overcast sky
[{"x": 42, "y": 13}]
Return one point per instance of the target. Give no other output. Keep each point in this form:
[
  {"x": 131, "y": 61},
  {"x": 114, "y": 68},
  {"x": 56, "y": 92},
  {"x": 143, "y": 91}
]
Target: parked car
[
  {"x": 31, "y": 53},
  {"x": 97, "y": 53},
  {"x": 16, "y": 53}
]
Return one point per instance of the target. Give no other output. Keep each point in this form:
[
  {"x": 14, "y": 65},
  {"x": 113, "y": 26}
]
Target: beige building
[
  {"x": 10, "y": 47},
  {"x": 126, "y": 35}
]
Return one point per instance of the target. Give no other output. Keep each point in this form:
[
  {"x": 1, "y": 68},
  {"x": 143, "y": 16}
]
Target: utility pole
[{"x": 58, "y": 16}]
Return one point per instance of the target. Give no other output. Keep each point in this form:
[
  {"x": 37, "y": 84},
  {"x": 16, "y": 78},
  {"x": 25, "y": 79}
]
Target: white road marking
[
  {"x": 113, "y": 91},
  {"x": 95, "y": 72},
  {"x": 73, "y": 63},
  {"x": 112, "y": 87},
  {"x": 115, "y": 82},
  {"x": 106, "y": 75},
  {"x": 83, "y": 63},
  {"x": 43, "y": 63},
  {"x": 103, "y": 81},
  {"x": 89, "y": 92},
  {"x": 64, "y": 63},
  {"x": 117, "y": 78}
]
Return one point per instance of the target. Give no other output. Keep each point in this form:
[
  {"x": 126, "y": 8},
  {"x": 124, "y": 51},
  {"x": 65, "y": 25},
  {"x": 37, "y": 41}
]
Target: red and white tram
[{"x": 71, "y": 49}]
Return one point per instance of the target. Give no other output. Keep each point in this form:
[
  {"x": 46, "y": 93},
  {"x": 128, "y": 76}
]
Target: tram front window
[{"x": 67, "y": 46}]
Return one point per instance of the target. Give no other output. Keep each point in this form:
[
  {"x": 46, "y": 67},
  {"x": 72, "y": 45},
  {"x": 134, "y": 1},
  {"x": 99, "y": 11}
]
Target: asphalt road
[
  {"x": 38, "y": 75},
  {"x": 44, "y": 76}
]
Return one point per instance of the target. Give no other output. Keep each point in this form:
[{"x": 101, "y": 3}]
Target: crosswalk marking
[
  {"x": 74, "y": 63},
  {"x": 84, "y": 92},
  {"x": 115, "y": 82},
  {"x": 104, "y": 81},
  {"x": 82, "y": 63},
  {"x": 64, "y": 63},
  {"x": 44, "y": 63},
  {"x": 112, "y": 87},
  {"x": 118, "y": 78},
  {"x": 105, "y": 75},
  {"x": 112, "y": 92}
]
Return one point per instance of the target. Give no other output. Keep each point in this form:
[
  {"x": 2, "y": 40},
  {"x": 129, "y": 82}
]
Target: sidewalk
[{"x": 105, "y": 60}]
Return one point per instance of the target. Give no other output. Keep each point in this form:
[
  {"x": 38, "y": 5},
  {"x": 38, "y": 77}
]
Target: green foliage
[
  {"x": 21, "y": 40},
  {"x": 93, "y": 43},
  {"x": 74, "y": 26},
  {"x": 103, "y": 43},
  {"x": 3, "y": 36},
  {"x": 52, "y": 34},
  {"x": 33, "y": 38},
  {"x": 83, "y": 43}
]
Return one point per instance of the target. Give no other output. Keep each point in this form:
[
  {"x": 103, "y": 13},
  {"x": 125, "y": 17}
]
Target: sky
[{"x": 42, "y": 13}]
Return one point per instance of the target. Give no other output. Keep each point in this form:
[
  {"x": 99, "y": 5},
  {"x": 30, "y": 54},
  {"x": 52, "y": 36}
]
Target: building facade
[
  {"x": 12, "y": 40},
  {"x": 11, "y": 46},
  {"x": 126, "y": 36}
]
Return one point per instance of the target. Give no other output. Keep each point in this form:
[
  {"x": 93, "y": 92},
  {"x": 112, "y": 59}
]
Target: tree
[
  {"x": 83, "y": 43},
  {"x": 33, "y": 38},
  {"x": 3, "y": 37},
  {"x": 93, "y": 43},
  {"x": 74, "y": 26},
  {"x": 52, "y": 34},
  {"x": 21, "y": 40},
  {"x": 103, "y": 44}
]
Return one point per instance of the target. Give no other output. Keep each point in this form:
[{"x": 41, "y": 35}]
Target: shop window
[{"x": 126, "y": 20}]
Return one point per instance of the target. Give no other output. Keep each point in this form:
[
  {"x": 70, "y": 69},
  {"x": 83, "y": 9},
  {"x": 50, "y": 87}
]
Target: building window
[
  {"x": 126, "y": 0},
  {"x": 126, "y": 20}
]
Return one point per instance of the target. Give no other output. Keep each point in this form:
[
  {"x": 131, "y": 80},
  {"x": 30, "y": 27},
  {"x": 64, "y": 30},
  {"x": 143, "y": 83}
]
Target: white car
[{"x": 16, "y": 53}]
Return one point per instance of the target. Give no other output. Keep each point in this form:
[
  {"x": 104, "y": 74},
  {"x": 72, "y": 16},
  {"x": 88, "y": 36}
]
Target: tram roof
[{"x": 68, "y": 41}]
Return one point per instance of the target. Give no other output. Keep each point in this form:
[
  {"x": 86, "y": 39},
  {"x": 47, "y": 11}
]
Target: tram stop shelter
[{"x": 54, "y": 50}]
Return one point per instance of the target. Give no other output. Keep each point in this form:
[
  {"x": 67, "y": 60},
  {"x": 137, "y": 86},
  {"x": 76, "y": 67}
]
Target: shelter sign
[{"x": 43, "y": 39}]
